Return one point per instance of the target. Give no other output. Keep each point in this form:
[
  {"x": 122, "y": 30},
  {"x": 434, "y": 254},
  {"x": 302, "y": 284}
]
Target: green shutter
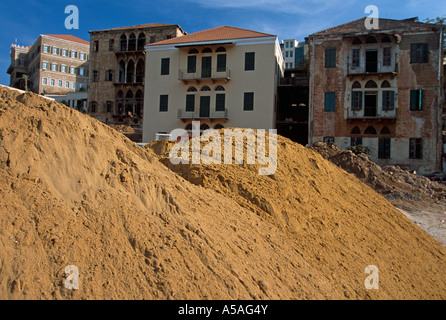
[
  {"x": 191, "y": 64},
  {"x": 220, "y": 102},
  {"x": 413, "y": 100},
  {"x": 190, "y": 102}
]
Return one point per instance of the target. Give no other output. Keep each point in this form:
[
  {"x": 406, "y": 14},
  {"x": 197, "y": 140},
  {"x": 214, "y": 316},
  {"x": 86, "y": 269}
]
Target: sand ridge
[{"x": 77, "y": 192}]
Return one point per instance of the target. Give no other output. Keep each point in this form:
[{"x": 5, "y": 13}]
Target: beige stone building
[
  {"x": 380, "y": 88},
  {"x": 54, "y": 64},
  {"x": 117, "y": 65},
  {"x": 222, "y": 77}
]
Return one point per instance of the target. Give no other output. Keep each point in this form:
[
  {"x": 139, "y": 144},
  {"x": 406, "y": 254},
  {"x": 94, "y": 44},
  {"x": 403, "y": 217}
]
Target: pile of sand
[
  {"x": 402, "y": 188},
  {"x": 76, "y": 192}
]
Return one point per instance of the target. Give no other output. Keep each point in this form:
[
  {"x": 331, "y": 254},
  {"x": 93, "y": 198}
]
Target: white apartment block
[{"x": 222, "y": 77}]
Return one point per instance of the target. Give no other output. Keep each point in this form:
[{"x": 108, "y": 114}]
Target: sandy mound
[
  {"x": 77, "y": 192},
  {"x": 338, "y": 224}
]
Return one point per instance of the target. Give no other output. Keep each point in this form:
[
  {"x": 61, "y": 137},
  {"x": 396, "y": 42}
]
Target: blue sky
[{"x": 288, "y": 19}]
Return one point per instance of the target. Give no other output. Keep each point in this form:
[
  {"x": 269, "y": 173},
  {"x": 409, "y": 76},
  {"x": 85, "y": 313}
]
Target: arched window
[
  {"x": 139, "y": 102},
  {"x": 371, "y": 84},
  {"x": 385, "y": 84},
  {"x": 220, "y": 49},
  {"x": 219, "y": 88},
  {"x": 357, "y": 41},
  {"x": 188, "y": 126},
  {"x": 386, "y": 39},
  {"x": 385, "y": 130},
  {"x": 129, "y": 103},
  {"x": 193, "y": 51},
  {"x": 120, "y": 103},
  {"x": 123, "y": 43},
  {"x": 356, "y": 85},
  {"x": 204, "y": 126},
  {"x": 371, "y": 39},
  {"x": 206, "y": 50},
  {"x": 121, "y": 72},
  {"x": 356, "y": 130},
  {"x": 205, "y": 88},
  {"x": 192, "y": 89},
  {"x": 141, "y": 41},
  {"x": 218, "y": 126},
  {"x": 140, "y": 71},
  {"x": 132, "y": 42},
  {"x": 370, "y": 130},
  {"x": 130, "y": 72}
]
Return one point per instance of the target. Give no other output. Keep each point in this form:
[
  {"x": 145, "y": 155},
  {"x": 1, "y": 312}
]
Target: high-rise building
[{"x": 54, "y": 64}]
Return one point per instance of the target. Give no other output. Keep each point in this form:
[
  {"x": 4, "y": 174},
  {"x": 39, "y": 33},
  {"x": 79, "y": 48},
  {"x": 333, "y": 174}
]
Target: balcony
[
  {"x": 213, "y": 74},
  {"x": 370, "y": 113},
  {"x": 202, "y": 113}
]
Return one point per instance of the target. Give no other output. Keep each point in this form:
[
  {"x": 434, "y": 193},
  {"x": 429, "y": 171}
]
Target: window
[
  {"x": 286, "y": 54},
  {"x": 249, "y": 61},
  {"x": 64, "y": 52},
  {"x": 356, "y": 58},
  {"x": 329, "y": 140},
  {"x": 82, "y": 56},
  {"x": 45, "y": 65},
  {"x": 46, "y": 49},
  {"x": 416, "y": 100},
  {"x": 54, "y": 66},
  {"x": 165, "y": 62},
  {"x": 53, "y": 82},
  {"x": 93, "y": 106},
  {"x": 81, "y": 71},
  {"x": 73, "y": 54},
  {"x": 384, "y": 148},
  {"x": 67, "y": 84},
  {"x": 371, "y": 40},
  {"x": 74, "y": 85},
  {"x": 109, "y": 75},
  {"x": 356, "y": 130},
  {"x": 95, "y": 77},
  {"x": 111, "y": 44},
  {"x": 44, "y": 81},
  {"x": 191, "y": 64},
  {"x": 291, "y": 54},
  {"x": 220, "y": 102},
  {"x": 72, "y": 70},
  {"x": 190, "y": 102},
  {"x": 60, "y": 83},
  {"x": 164, "y": 102},
  {"x": 357, "y": 100},
  {"x": 419, "y": 52},
  {"x": 96, "y": 46},
  {"x": 330, "y": 102},
  {"x": 55, "y": 50},
  {"x": 388, "y": 100},
  {"x": 330, "y": 58},
  {"x": 415, "y": 148},
  {"x": 248, "y": 101},
  {"x": 370, "y": 130},
  {"x": 63, "y": 68},
  {"x": 221, "y": 62},
  {"x": 387, "y": 56},
  {"x": 109, "y": 106},
  {"x": 356, "y": 141}
]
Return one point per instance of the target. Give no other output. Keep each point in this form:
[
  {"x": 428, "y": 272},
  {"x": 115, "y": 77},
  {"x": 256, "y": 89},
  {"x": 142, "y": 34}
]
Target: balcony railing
[
  {"x": 202, "y": 74},
  {"x": 368, "y": 113},
  {"x": 202, "y": 113}
]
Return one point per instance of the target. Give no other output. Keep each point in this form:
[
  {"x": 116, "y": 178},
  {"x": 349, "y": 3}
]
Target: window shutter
[
  {"x": 392, "y": 100},
  {"x": 360, "y": 100},
  {"x": 425, "y": 57},
  {"x": 190, "y": 102},
  {"x": 413, "y": 100}
]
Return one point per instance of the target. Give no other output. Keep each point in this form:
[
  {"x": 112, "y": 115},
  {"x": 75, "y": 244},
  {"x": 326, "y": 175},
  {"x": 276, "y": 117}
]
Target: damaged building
[
  {"x": 117, "y": 67},
  {"x": 381, "y": 88}
]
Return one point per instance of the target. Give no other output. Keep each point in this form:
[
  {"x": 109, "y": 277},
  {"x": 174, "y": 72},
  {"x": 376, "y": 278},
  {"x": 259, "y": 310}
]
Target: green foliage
[{"x": 359, "y": 149}]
